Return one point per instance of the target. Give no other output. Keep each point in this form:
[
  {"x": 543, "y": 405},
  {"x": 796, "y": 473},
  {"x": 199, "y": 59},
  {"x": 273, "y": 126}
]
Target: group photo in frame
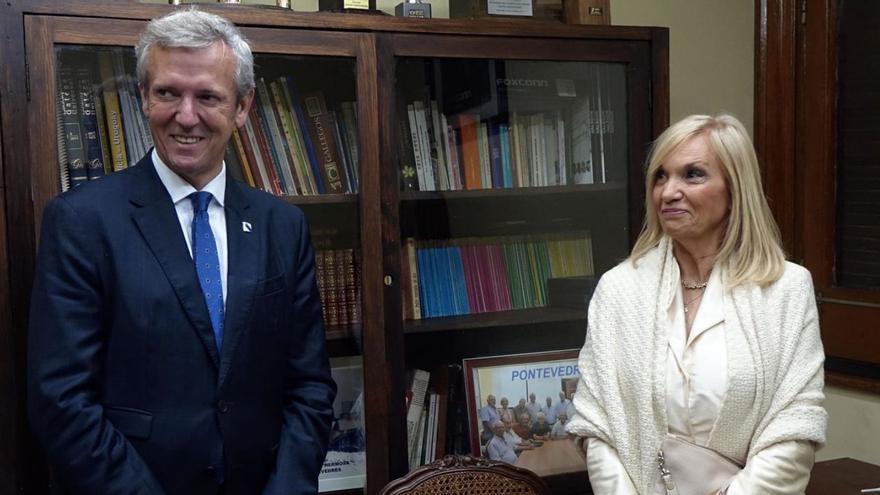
[{"x": 518, "y": 406}]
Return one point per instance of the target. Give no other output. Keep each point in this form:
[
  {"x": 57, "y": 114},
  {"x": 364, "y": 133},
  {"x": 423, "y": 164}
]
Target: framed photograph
[
  {"x": 346, "y": 462},
  {"x": 518, "y": 406}
]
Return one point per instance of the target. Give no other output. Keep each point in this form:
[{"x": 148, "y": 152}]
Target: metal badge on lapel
[{"x": 246, "y": 227}]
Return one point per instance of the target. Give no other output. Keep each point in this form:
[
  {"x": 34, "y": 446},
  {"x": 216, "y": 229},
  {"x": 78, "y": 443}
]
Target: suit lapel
[
  {"x": 157, "y": 221},
  {"x": 241, "y": 279}
]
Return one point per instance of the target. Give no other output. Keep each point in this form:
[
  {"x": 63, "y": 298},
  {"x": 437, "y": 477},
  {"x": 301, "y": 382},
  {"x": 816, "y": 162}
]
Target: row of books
[
  {"x": 469, "y": 276},
  {"x": 338, "y": 273},
  {"x": 293, "y": 144},
  {"x": 101, "y": 127},
  {"x": 436, "y": 414},
  {"x": 464, "y": 151}
]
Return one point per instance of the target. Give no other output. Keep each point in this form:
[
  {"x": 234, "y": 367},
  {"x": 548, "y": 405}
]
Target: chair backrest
[{"x": 466, "y": 475}]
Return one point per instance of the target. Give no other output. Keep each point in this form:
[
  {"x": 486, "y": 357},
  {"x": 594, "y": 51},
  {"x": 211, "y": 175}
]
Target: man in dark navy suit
[{"x": 176, "y": 340}]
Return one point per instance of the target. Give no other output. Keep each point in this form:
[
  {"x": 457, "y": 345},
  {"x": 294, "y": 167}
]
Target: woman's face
[{"x": 690, "y": 194}]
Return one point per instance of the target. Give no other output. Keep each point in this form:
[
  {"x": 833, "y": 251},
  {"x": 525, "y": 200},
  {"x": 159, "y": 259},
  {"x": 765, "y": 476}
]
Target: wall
[{"x": 711, "y": 52}]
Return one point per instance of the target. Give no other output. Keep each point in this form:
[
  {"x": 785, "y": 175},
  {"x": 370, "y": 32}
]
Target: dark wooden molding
[
  {"x": 775, "y": 107},
  {"x": 795, "y": 136},
  {"x": 17, "y": 471}
]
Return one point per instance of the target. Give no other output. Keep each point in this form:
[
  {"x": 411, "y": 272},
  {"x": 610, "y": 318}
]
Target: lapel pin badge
[{"x": 246, "y": 227}]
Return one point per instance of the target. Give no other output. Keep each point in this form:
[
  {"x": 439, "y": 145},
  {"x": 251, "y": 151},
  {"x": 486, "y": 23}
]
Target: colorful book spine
[
  {"x": 112, "y": 112},
  {"x": 504, "y": 143},
  {"x": 320, "y": 130},
  {"x": 495, "y": 160},
  {"x": 306, "y": 147},
  {"x": 470, "y": 154},
  {"x": 277, "y": 144},
  {"x": 255, "y": 157},
  {"x": 299, "y": 160}
]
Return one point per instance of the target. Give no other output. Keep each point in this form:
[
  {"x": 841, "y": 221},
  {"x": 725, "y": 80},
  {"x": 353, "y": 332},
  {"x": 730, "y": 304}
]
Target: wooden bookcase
[{"x": 379, "y": 217}]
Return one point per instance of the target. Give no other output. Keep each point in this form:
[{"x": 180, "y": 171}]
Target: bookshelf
[{"x": 377, "y": 66}]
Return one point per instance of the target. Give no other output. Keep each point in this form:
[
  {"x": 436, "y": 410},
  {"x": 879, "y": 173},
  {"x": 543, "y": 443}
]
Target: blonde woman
[{"x": 705, "y": 332}]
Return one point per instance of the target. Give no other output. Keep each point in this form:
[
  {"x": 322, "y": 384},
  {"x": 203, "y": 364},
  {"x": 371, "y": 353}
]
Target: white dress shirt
[
  {"x": 696, "y": 363},
  {"x": 179, "y": 190}
]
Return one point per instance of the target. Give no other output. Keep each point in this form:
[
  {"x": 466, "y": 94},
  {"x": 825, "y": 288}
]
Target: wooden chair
[{"x": 466, "y": 475}]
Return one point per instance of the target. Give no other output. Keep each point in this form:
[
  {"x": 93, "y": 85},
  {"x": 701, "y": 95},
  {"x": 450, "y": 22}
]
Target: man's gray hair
[{"x": 192, "y": 28}]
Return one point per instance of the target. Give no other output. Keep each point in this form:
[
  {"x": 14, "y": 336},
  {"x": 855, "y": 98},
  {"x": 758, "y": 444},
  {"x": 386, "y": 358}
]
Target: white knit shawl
[{"x": 775, "y": 357}]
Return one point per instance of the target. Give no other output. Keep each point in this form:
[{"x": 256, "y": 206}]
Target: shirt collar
[{"x": 179, "y": 189}]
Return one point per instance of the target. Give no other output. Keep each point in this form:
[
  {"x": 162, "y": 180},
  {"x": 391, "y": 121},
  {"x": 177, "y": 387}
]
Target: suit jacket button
[
  {"x": 222, "y": 406},
  {"x": 211, "y": 471}
]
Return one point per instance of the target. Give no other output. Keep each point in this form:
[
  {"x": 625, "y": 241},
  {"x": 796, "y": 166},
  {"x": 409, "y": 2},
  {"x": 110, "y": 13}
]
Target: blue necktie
[{"x": 204, "y": 251}]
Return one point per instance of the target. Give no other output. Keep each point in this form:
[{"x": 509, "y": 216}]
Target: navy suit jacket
[{"x": 127, "y": 391}]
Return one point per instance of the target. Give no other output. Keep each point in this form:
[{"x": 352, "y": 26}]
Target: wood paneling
[
  {"x": 775, "y": 106},
  {"x": 796, "y": 137}
]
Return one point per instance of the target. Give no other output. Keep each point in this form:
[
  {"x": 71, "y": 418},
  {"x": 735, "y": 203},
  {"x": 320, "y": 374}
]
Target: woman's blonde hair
[{"x": 751, "y": 247}]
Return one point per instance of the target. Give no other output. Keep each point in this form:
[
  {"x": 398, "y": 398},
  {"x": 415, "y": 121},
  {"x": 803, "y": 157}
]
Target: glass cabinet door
[
  {"x": 300, "y": 143},
  {"x": 508, "y": 170},
  {"x": 518, "y": 185}
]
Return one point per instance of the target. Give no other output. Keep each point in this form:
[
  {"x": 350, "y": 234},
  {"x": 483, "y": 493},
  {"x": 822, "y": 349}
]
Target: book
[
  {"x": 344, "y": 155},
  {"x": 100, "y": 116},
  {"x": 320, "y": 130},
  {"x": 582, "y": 143},
  {"x": 243, "y": 160},
  {"x": 136, "y": 130},
  {"x": 89, "y": 121},
  {"x": 409, "y": 178},
  {"x": 418, "y": 385},
  {"x": 409, "y": 280},
  {"x": 280, "y": 153},
  {"x": 332, "y": 288},
  {"x": 483, "y": 148},
  {"x": 468, "y": 125},
  {"x": 271, "y": 159},
  {"x": 495, "y": 155},
  {"x": 506, "y": 163},
  {"x": 262, "y": 159},
  {"x": 427, "y": 149},
  {"x": 303, "y": 157},
  {"x": 350, "y": 121},
  {"x": 321, "y": 281},
  {"x": 63, "y": 170},
  {"x": 415, "y": 453},
  {"x": 438, "y": 146},
  {"x": 353, "y": 284},
  {"x": 112, "y": 113},
  {"x": 71, "y": 127},
  {"x": 309, "y": 148},
  {"x": 422, "y": 160}
]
